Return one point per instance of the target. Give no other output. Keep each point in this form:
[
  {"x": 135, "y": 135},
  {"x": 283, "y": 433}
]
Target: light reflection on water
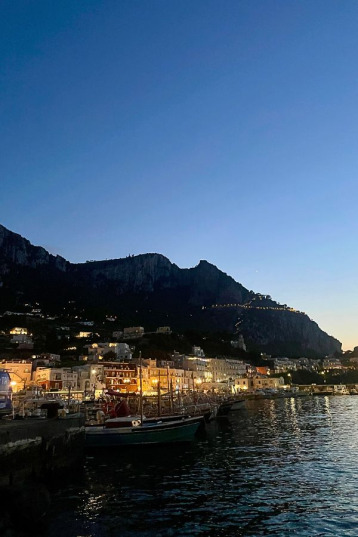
[{"x": 281, "y": 467}]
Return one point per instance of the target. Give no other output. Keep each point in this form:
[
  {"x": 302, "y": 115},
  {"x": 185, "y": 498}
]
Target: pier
[{"x": 35, "y": 448}]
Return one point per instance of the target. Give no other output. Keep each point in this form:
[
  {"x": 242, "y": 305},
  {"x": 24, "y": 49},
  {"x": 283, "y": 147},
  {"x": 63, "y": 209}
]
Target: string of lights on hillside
[{"x": 249, "y": 305}]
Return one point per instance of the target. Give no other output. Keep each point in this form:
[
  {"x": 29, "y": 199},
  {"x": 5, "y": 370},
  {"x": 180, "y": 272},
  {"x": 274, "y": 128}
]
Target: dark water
[{"x": 281, "y": 467}]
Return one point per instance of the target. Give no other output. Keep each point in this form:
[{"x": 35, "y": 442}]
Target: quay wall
[{"x": 33, "y": 449}]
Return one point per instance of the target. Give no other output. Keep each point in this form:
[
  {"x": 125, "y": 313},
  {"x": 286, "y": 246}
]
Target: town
[{"x": 113, "y": 365}]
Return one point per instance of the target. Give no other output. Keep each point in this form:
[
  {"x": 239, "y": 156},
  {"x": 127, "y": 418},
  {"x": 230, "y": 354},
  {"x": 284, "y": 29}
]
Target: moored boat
[
  {"x": 230, "y": 405},
  {"x": 124, "y": 429},
  {"x": 143, "y": 433}
]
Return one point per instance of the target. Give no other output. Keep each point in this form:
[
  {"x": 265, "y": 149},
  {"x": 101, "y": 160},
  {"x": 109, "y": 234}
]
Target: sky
[{"x": 217, "y": 130}]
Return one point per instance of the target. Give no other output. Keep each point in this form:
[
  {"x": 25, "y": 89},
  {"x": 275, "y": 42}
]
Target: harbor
[
  {"x": 142, "y": 415},
  {"x": 41, "y": 454},
  {"x": 52, "y": 435},
  {"x": 280, "y": 467}
]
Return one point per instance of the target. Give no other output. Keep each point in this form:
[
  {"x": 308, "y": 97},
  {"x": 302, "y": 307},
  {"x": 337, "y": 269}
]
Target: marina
[{"x": 281, "y": 467}]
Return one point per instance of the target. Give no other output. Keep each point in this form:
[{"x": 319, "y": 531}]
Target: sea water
[{"x": 283, "y": 467}]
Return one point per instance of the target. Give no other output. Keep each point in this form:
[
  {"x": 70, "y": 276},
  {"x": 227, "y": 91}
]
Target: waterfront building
[
  {"x": 160, "y": 374},
  {"x": 198, "y": 368},
  {"x": 264, "y": 383},
  {"x": 212, "y": 370},
  {"x": 83, "y": 378},
  {"x": 225, "y": 369},
  {"x": 243, "y": 384},
  {"x": 20, "y": 373},
  {"x": 56, "y": 378},
  {"x": 121, "y": 376},
  {"x": 258, "y": 383},
  {"x": 117, "y": 376},
  {"x": 90, "y": 379}
]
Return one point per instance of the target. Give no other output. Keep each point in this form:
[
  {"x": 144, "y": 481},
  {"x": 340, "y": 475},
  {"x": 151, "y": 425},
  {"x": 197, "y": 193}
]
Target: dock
[{"x": 35, "y": 448}]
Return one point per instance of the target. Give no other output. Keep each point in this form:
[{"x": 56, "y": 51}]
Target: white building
[
  {"x": 225, "y": 369},
  {"x": 96, "y": 351},
  {"x": 53, "y": 378}
]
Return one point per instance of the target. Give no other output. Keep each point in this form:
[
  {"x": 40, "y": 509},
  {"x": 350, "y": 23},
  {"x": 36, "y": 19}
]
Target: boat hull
[
  {"x": 230, "y": 406},
  {"x": 147, "y": 434}
]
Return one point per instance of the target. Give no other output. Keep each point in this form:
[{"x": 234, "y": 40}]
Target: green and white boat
[{"x": 175, "y": 429}]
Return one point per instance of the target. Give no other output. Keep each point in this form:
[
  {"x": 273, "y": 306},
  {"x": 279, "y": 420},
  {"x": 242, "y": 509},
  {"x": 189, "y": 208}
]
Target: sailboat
[
  {"x": 149, "y": 432},
  {"x": 127, "y": 430}
]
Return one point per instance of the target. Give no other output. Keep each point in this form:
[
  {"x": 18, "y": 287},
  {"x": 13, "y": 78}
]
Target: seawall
[{"x": 35, "y": 448}]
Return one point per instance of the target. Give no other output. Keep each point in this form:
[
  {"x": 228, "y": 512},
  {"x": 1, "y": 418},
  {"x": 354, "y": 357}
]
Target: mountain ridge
[{"x": 148, "y": 289}]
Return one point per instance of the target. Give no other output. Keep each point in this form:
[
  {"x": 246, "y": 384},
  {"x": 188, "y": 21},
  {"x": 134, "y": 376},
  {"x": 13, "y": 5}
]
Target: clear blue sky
[{"x": 218, "y": 130}]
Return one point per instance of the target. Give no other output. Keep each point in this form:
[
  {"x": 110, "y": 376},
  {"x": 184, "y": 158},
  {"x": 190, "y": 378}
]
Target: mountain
[{"x": 149, "y": 290}]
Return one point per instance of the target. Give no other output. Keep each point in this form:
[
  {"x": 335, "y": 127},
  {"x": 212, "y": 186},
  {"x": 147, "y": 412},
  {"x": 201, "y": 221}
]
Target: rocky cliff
[
  {"x": 149, "y": 290},
  {"x": 15, "y": 250}
]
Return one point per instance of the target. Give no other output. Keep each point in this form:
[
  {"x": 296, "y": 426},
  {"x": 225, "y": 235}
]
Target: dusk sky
[{"x": 218, "y": 130}]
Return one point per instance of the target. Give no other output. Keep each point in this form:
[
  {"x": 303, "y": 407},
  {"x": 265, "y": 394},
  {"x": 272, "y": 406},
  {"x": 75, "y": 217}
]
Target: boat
[
  {"x": 136, "y": 433},
  {"x": 340, "y": 389},
  {"x": 6, "y": 407},
  {"x": 230, "y": 405},
  {"x": 124, "y": 429}
]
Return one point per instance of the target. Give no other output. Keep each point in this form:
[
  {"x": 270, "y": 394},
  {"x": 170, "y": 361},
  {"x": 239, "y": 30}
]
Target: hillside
[{"x": 151, "y": 291}]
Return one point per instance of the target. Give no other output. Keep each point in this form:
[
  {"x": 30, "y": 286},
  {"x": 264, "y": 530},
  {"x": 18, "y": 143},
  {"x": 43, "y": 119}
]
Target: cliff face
[
  {"x": 204, "y": 284},
  {"x": 141, "y": 273},
  {"x": 15, "y": 250},
  {"x": 286, "y": 332},
  {"x": 211, "y": 286},
  {"x": 149, "y": 290}
]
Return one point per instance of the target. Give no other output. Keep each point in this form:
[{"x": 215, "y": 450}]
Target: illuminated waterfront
[{"x": 282, "y": 467}]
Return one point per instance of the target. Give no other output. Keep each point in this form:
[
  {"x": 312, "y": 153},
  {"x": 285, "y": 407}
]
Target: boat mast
[
  {"x": 159, "y": 396},
  {"x": 140, "y": 388}
]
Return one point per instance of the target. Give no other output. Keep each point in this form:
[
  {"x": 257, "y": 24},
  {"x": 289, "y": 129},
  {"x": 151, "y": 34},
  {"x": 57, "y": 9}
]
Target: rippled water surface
[{"x": 281, "y": 467}]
